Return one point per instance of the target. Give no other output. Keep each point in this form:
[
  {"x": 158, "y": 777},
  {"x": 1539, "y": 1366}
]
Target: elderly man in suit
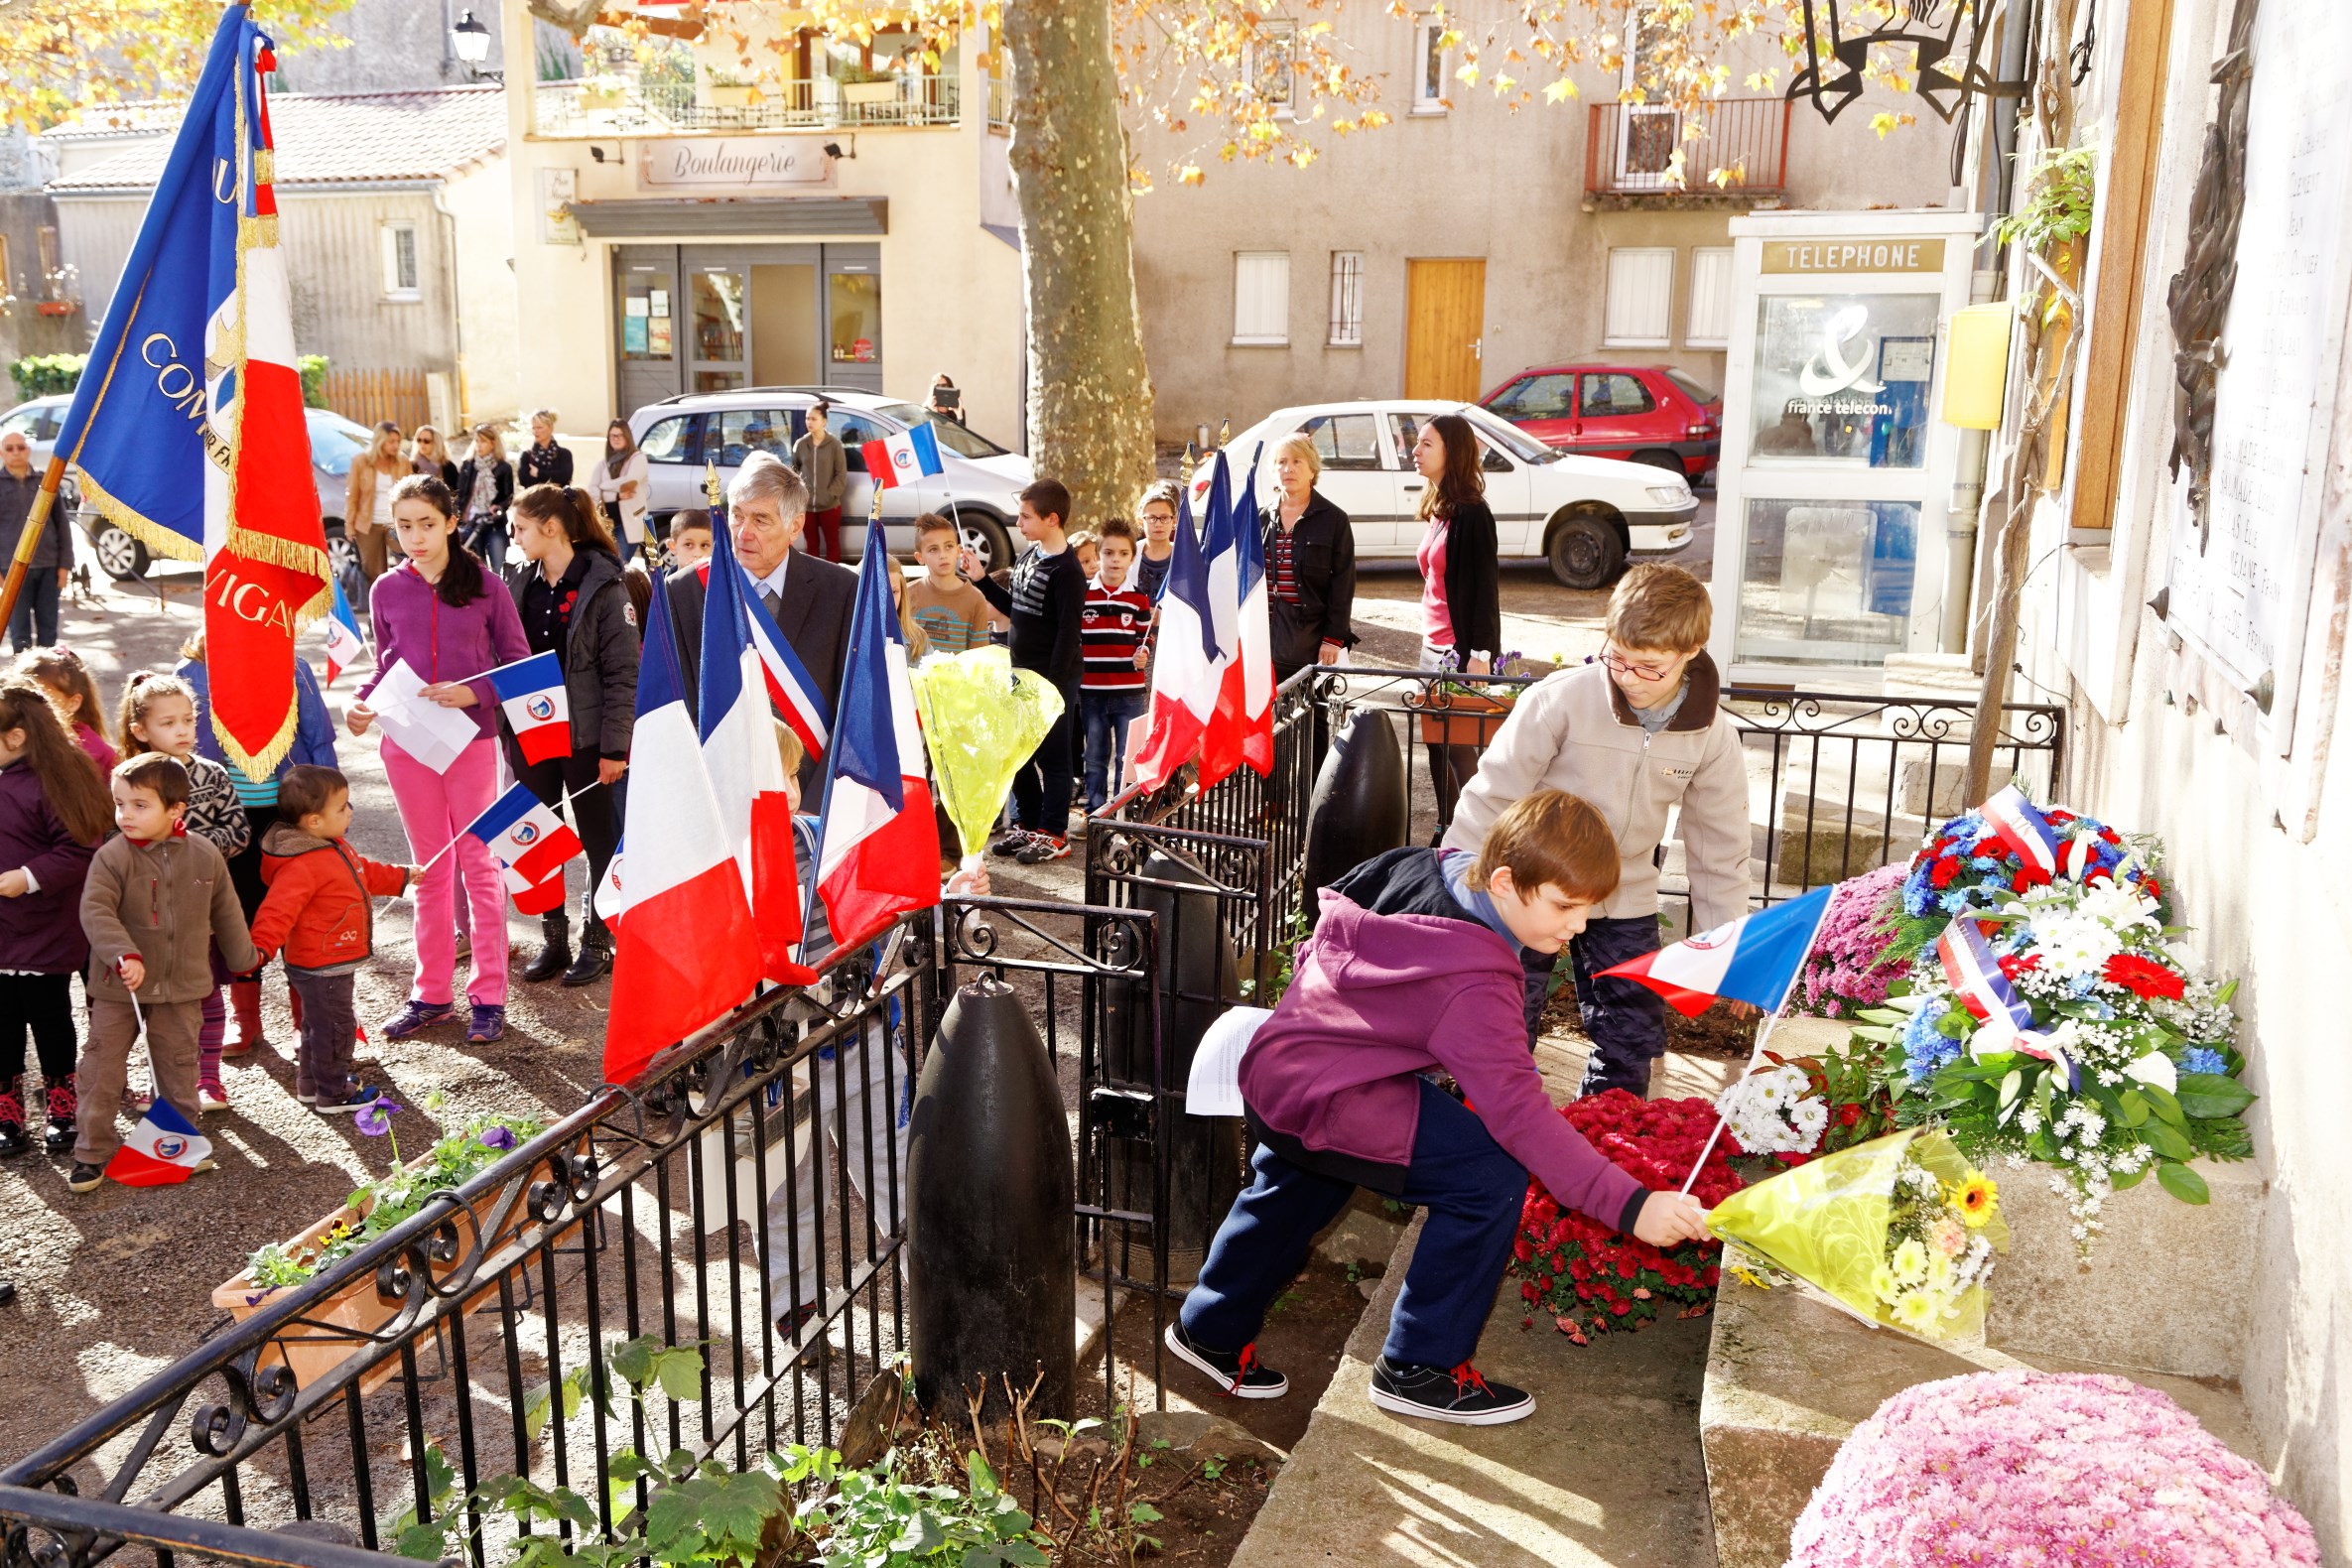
[{"x": 766, "y": 504}]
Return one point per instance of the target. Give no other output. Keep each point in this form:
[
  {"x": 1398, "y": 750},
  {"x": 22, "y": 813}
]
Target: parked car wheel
[
  {"x": 1585, "y": 549},
  {"x": 120, "y": 557},
  {"x": 342, "y": 554},
  {"x": 1660, "y": 460},
  {"x": 985, "y": 536}
]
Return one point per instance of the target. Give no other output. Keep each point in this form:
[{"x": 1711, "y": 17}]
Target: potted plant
[
  {"x": 724, "y": 91},
  {"x": 312, "y": 1348},
  {"x": 604, "y": 91},
  {"x": 1458, "y": 712},
  {"x": 863, "y": 85}
]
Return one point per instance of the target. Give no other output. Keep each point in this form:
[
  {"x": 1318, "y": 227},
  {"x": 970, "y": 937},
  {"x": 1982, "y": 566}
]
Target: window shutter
[
  {"x": 1709, "y": 325},
  {"x": 1640, "y": 298},
  {"x": 1261, "y": 297}
]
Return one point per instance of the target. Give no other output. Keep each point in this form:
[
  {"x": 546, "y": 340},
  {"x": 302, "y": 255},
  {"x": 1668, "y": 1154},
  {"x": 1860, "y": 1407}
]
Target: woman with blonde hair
[
  {"x": 367, "y": 499},
  {"x": 429, "y": 457},
  {"x": 1310, "y": 557}
]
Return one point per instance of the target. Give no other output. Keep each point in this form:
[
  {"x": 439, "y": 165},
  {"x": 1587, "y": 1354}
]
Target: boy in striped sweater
[{"x": 1116, "y": 633}]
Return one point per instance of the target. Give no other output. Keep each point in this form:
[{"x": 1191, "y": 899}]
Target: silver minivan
[{"x": 977, "y": 488}]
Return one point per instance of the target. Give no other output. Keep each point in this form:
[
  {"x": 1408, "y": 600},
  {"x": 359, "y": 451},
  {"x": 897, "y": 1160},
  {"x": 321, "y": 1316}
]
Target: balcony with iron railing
[
  {"x": 1731, "y": 152},
  {"x": 617, "y": 104}
]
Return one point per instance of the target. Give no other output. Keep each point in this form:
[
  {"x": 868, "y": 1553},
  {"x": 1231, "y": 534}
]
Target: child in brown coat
[{"x": 156, "y": 901}]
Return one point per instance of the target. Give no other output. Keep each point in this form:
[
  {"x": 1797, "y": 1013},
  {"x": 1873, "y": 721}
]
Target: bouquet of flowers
[
  {"x": 1967, "y": 866},
  {"x": 1852, "y": 963},
  {"x": 2062, "y": 1026},
  {"x": 1775, "y": 1111},
  {"x": 981, "y": 722},
  {"x": 1900, "y": 1231},
  {"x": 1589, "y": 1279}
]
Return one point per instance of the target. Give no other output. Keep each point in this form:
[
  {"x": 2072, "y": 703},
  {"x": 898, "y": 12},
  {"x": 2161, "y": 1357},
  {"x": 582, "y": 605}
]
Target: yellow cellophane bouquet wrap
[
  {"x": 1900, "y": 1231},
  {"x": 982, "y": 720}
]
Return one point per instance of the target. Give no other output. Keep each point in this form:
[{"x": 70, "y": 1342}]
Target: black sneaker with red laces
[
  {"x": 1433, "y": 1394},
  {"x": 1239, "y": 1371},
  {"x": 1041, "y": 848}
]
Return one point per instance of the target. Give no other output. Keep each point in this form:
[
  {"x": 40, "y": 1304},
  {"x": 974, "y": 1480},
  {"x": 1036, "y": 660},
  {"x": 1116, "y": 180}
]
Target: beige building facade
[{"x": 1462, "y": 242}]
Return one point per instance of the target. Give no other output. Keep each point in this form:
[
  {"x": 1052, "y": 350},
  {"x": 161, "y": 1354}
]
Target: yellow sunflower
[{"x": 1976, "y": 1198}]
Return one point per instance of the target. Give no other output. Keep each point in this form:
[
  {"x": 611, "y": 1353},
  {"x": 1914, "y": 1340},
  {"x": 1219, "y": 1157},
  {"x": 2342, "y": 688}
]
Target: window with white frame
[
  {"x": 1640, "y": 298},
  {"x": 400, "y": 261},
  {"x": 1709, "y": 323},
  {"x": 1429, "y": 82},
  {"x": 1269, "y": 63},
  {"x": 1347, "y": 299},
  {"x": 1261, "y": 297}
]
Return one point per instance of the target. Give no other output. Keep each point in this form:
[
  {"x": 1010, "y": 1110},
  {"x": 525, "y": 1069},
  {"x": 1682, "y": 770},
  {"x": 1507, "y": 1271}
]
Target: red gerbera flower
[
  {"x": 1941, "y": 873},
  {"x": 2142, "y": 976}
]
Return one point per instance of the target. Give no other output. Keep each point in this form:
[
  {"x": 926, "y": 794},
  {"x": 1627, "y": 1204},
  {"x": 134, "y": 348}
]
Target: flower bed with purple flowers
[{"x": 2023, "y": 1468}]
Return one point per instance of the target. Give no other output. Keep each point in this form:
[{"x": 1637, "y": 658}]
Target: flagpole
[
  {"x": 570, "y": 795},
  {"x": 1764, "y": 1032}
]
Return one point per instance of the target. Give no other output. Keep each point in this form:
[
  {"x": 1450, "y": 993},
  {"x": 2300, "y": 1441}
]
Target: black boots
[
  {"x": 65, "y": 1105},
  {"x": 596, "y": 955},
  {"x": 11, "y": 1118},
  {"x": 555, "y": 955}
]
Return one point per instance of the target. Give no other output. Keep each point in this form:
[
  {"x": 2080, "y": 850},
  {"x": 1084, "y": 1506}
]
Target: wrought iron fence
[
  {"x": 641, "y": 104},
  {"x": 745, "y": 1194}
]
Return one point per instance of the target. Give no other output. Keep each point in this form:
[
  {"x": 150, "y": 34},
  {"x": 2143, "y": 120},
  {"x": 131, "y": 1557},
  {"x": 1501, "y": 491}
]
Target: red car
[{"x": 1649, "y": 414}]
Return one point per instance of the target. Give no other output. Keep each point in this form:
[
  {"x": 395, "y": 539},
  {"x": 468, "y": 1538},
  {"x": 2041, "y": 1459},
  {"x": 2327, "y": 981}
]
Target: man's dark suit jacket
[{"x": 814, "y": 618}]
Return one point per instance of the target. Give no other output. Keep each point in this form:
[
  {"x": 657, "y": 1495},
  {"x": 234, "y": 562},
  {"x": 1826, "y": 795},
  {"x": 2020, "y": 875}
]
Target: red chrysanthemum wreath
[{"x": 1589, "y": 1279}]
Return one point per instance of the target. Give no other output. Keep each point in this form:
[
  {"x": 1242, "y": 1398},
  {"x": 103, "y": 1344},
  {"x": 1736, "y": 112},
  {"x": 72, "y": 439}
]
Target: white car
[
  {"x": 1583, "y": 516},
  {"x": 680, "y": 435}
]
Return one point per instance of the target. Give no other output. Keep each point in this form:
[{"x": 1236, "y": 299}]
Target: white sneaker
[{"x": 212, "y": 1096}]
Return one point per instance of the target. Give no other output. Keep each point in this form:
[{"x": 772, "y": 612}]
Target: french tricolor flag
[
  {"x": 797, "y": 702},
  {"x": 160, "y": 1150},
  {"x": 902, "y": 458},
  {"x": 531, "y": 695},
  {"x": 746, "y": 772},
  {"x": 532, "y": 844},
  {"x": 1188, "y": 671},
  {"x": 1754, "y": 959},
  {"x": 684, "y": 949},
  {"x": 1241, "y": 730},
  {"x": 878, "y": 854},
  {"x": 345, "y": 645},
  {"x": 2022, "y": 826}
]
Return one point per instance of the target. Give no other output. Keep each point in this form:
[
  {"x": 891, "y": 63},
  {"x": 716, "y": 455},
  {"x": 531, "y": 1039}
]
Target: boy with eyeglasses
[{"x": 1638, "y": 731}]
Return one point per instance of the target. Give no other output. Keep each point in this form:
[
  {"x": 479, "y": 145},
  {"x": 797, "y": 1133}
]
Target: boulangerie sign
[{"x": 740, "y": 165}]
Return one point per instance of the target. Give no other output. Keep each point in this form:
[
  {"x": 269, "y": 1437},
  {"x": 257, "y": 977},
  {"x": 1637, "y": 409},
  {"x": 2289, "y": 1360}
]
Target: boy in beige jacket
[
  {"x": 1638, "y": 733},
  {"x": 157, "y": 899}
]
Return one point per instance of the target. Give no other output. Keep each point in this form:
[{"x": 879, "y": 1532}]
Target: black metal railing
[{"x": 745, "y": 1196}]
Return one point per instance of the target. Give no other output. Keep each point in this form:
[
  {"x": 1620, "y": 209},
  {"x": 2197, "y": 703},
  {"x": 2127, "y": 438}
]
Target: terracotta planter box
[
  {"x": 307, "y": 1349},
  {"x": 56, "y": 308},
  {"x": 1464, "y": 720}
]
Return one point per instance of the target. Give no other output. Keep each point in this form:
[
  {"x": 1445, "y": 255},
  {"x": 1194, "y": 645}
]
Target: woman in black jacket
[
  {"x": 1461, "y": 579},
  {"x": 573, "y": 600},
  {"x": 1310, "y": 555},
  {"x": 485, "y": 488}
]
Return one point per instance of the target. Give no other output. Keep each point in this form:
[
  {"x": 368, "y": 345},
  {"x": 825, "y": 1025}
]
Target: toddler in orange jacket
[{"x": 319, "y": 911}]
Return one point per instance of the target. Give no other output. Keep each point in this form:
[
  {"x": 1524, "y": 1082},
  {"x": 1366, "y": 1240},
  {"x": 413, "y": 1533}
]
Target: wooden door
[{"x": 1445, "y": 322}]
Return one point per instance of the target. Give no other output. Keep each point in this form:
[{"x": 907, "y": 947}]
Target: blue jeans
[
  {"x": 1107, "y": 715},
  {"x": 35, "y": 616},
  {"x": 1473, "y": 1190}
]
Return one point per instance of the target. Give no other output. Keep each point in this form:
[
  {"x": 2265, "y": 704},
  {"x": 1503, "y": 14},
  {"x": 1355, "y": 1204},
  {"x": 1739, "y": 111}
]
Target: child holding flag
[
  {"x": 157, "y": 902},
  {"x": 1414, "y": 965},
  {"x": 439, "y": 613},
  {"x": 313, "y": 746},
  {"x": 575, "y": 606},
  {"x": 319, "y": 911},
  {"x": 1643, "y": 731}
]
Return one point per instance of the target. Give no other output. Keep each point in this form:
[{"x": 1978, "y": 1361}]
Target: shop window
[
  {"x": 1709, "y": 323},
  {"x": 1640, "y": 298},
  {"x": 1345, "y": 440},
  {"x": 400, "y": 261},
  {"x": 855, "y": 301},
  {"x": 1827, "y": 581},
  {"x": 1261, "y": 298},
  {"x": 670, "y": 440},
  {"x": 1347, "y": 299},
  {"x": 1844, "y": 378},
  {"x": 717, "y": 296}
]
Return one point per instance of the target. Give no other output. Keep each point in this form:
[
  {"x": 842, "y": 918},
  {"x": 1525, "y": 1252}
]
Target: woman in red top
[{"x": 1461, "y": 581}]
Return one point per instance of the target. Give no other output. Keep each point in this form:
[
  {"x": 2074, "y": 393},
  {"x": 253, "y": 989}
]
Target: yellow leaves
[
  {"x": 1229, "y": 151},
  {"x": 1887, "y": 124},
  {"x": 1466, "y": 72},
  {"x": 1503, "y": 83},
  {"x": 1301, "y": 155},
  {"x": 1190, "y": 175},
  {"x": 1559, "y": 91}
]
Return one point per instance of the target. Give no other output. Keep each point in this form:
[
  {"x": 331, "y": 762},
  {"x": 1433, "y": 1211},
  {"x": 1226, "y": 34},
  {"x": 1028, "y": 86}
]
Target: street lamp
[
  {"x": 472, "y": 43},
  {"x": 1930, "y": 29}
]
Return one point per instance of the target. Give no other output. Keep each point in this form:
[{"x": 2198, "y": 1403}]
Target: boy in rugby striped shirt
[{"x": 1115, "y": 633}]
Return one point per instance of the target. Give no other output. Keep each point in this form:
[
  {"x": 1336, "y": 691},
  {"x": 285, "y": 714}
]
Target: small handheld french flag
[
  {"x": 344, "y": 642},
  {"x": 1754, "y": 959},
  {"x": 531, "y": 695},
  {"x": 2026, "y": 831},
  {"x": 527, "y": 837},
  {"x": 160, "y": 1150},
  {"x": 902, "y": 458}
]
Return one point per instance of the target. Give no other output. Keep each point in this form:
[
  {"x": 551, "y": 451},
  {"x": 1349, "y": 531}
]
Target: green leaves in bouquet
[
  {"x": 2206, "y": 1095},
  {"x": 2182, "y": 1182}
]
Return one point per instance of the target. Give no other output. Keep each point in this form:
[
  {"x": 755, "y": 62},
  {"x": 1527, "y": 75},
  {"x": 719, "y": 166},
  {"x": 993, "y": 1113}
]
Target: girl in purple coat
[
  {"x": 53, "y": 812},
  {"x": 1414, "y": 967},
  {"x": 451, "y": 622}
]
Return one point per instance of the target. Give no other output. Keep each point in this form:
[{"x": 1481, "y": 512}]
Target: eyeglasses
[{"x": 1618, "y": 665}]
